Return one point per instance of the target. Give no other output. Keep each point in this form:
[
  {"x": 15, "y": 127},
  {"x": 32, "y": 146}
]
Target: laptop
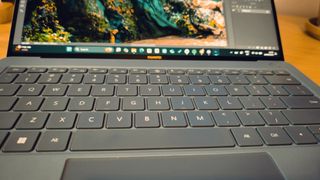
[{"x": 160, "y": 89}]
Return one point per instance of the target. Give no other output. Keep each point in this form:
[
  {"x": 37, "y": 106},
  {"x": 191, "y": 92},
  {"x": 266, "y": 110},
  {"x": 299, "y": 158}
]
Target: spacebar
[{"x": 99, "y": 140}]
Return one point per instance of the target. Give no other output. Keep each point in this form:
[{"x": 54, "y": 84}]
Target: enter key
[{"x": 302, "y": 102}]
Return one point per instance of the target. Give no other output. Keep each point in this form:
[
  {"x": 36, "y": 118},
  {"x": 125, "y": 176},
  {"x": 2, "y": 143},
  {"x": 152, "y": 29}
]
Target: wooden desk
[{"x": 300, "y": 50}]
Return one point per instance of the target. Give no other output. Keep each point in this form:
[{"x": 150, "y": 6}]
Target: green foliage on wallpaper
[{"x": 116, "y": 21}]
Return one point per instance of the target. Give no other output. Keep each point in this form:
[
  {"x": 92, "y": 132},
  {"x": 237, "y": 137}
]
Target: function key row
[
  {"x": 144, "y": 71},
  {"x": 68, "y": 78}
]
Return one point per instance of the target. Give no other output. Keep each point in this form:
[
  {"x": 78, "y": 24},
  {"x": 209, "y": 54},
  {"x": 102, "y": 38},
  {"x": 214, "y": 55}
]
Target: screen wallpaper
[{"x": 146, "y": 22}]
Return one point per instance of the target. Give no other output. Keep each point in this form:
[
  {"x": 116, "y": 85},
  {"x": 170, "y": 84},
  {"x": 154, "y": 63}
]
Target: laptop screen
[{"x": 147, "y": 29}]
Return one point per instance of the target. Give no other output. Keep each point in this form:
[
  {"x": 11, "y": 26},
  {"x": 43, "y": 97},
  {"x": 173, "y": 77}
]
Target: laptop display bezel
[{"x": 11, "y": 51}]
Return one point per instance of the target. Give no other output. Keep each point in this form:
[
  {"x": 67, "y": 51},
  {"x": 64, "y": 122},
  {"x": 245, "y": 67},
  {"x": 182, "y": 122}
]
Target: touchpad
[{"x": 227, "y": 166}]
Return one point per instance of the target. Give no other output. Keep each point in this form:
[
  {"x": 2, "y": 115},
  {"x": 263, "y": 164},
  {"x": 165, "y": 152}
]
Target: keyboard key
[
  {"x": 226, "y": 119},
  {"x": 27, "y": 78},
  {"x": 138, "y": 79},
  {"x": 8, "y": 89},
  {"x": 55, "y": 90},
  {"x": 249, "y": 72},
  {"x": 49, "y": 78},
  {"x": 274, "y": 136},
  {"x": 273, "y": 102},
  {"x": 7, "y": 78},
  {"x": 300, "y": 135},
  {"x": 274, "y": 118},
  {"x": 55, "y": 104},
  {"x": 182, "y": 103},
  {"x": 200, "y": 119},
  {"x": 298, "y": 90},
  {"x": 214, "y": 90},
  {"x": 200, "y": 80},
  {"x": 157, "y": 71},
  {"x": 238, "y": 79},
  {"x": 158, "y": 79},
  {"x": 265, "y": 72},
  {"x": 127, "y": 90},
  {"x": 171, "y": 90},
  {"x": 229, "y": 103},
  {"x": 257, "y": 90},
  {"x": 206, "y": 103},
  {"x": 81, "y": 104},
  {"x": 195, "y": 71},
  {"x": 281, "y": 72},
  {"x": 302, "y": 102},
  {"x": 79, "y": 90},
  {"x": 6, "y": 103},
  {"x": 219, "y": 79},
  {"x": 8, "y": 119},
  {"x": 30, "y": 90},
  {"x": 78, "y": 70},
  {"x": 158, "y": 103},
  {"x": 61, "y": 120},
  {"x": 237, "y": 91},
  {"x": 94, "y": 79},
  {"x": 250, "y": 118},
  {"x": 21, "y": 141},
  {"x": 176, "y": 71},
  {"x": 303, "y": 117},
  {"x": 116, "y": 79},
  {"x": 57, "y": 70},
  {"x": 147, "y": 120},
  {"x": 164, "y": 138},
  {"x": 90, "y": 120},
  {"x": 71, "y": 78},
  {"x": 118, "y": 71},
  {"x": 16, "y": 70},
  {"x": 117, "y": 120},
  {"x": 231, "y": 72},
  {"x": 98, "y": 71},
  {"x": 180, "y": 79},
  {"x": 133, "y": 104},
  {"x": 138, "y": 71},
  {"x": 149, "y": 90},
  {"x": 51, "y": 141},
  {"x": 257, "y": 80},
  {"x": 214, "y": 72},
  {"x": 28, "y": 104},
  {"x": 192, "y": 90},
  {"x": 282, "y": 80},
  {"x": 173, "y": 119},
  {"x": 277, "y": 90},
  {"x": 32, "y": 120},
  {"x": 251, "y": 103},
  {"x": 246, "y": 137},
  {"x": 102, "y": 90},
  {"x": 107, "y": 104},
  {"x": 37, "y": 70}
]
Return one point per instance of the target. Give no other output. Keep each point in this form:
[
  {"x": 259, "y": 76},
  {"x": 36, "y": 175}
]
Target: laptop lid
[{"x": 151, "y": 29}]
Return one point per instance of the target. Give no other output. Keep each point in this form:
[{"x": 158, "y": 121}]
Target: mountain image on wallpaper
[{"x": 160, "y": 22}]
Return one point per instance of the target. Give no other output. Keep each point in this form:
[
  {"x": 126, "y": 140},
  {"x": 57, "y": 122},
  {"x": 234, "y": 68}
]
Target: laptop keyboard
[{"x": 99, "y": 109}]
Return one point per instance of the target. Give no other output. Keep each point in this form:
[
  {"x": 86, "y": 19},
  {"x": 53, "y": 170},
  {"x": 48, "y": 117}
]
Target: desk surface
[{"x": 300, "y": 50}]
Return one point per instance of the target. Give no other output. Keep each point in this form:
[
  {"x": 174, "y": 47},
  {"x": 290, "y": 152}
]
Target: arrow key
[{"x": 301, "y": 135}]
